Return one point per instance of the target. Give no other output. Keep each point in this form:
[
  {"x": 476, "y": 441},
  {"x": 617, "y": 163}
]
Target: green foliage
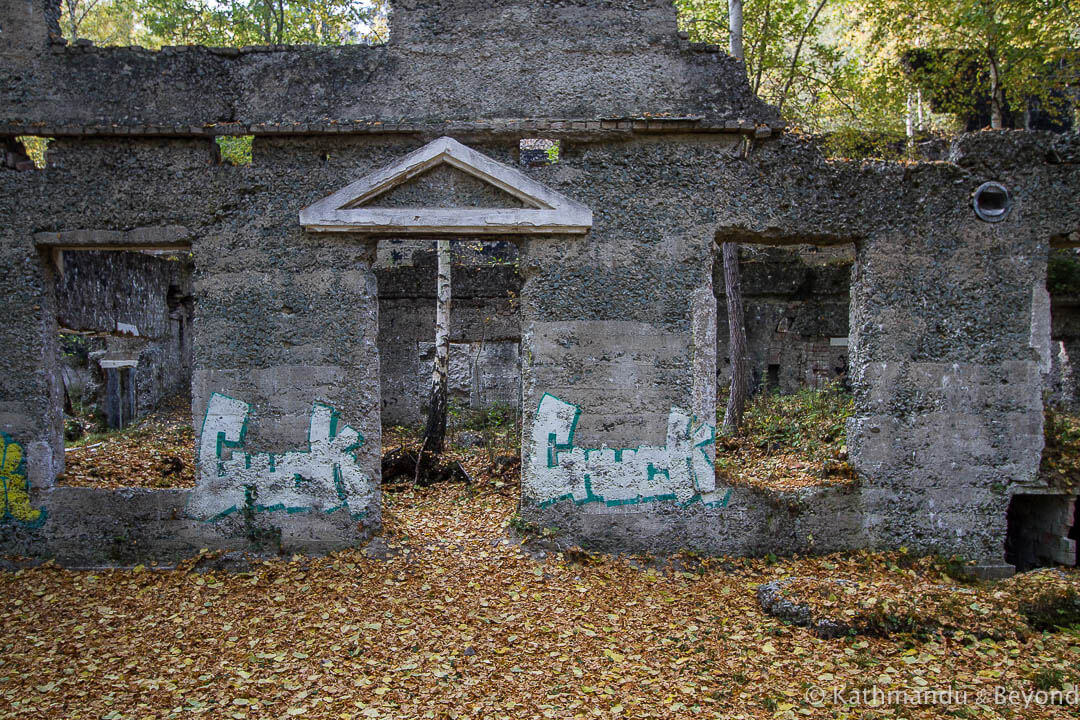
[
  {"x": 1060, "y": 466},
  {"x": 852, "y": 142},
  {"x": 553, "y": 152},
  {"x": 523, "y": 527},
  {"x": 35, "y": 148},
  {"x": 844, "y": 67},
  {"x": 499, "y": 426},
  {"x": 1063, "y": 273},
  {"x": 955, "y": 567},
  {"x": 811, "y": 421},
  {"x": 154, "y": 23},
  {"x": 791, "y": 59},
  {"x": 235, "y": 149},
  {"x": 1048, "y": 678},
  {"x": 1017, "y": 47},
  {"x": 73, "y": 345}
]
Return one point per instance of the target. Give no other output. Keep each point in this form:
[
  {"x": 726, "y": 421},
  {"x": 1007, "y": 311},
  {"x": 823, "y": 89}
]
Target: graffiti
[
  {"x": 681, "y": 471},
  {"x": 15, "y": 485},
  {"x": 325, "y": 477}
]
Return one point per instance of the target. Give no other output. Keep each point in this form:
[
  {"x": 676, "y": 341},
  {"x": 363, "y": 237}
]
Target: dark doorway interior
[{"x": 1039, "y": 531}]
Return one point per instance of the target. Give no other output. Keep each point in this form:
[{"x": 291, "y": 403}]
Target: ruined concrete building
[{"x": 663, "y": 152}]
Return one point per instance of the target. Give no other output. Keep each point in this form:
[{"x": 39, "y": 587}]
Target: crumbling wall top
[{"x": 448, "y": 61}]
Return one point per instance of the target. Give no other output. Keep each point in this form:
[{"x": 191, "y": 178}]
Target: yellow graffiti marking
[{"x": 16, "y": 499}]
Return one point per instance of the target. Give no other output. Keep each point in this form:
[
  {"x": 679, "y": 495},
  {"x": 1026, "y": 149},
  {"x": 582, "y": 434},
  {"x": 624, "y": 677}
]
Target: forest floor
[
  {"x": 156, "y": 451},
  {"x": 456, "y": 618},
  {"x": 459, "y": 621},
  {"x": 788, "y": 442}
]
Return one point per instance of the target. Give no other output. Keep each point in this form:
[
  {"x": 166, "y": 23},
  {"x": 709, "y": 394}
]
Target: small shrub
[
  {"x": 1063, "y": 273},
  {"x": 235, "y": 149}
]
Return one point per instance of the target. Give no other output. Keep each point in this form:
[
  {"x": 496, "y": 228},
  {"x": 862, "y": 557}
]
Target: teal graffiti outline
[
  {"x": 332, "y": 432},
  {"x": 553, "y": 450},
  {"x": 221, "y": 441},
  {"x": 553, "y": 447},
  {"x": 20, "y": 471}
]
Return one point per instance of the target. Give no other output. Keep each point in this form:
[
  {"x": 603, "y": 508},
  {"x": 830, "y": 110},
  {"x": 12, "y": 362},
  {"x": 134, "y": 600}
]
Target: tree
[
  {"x": 791, "y": 59},
  {"x": 106, "y": 22},
  {"x": 1020, "y": 45},
  {"x": 740, "y": 366},
  {"x": 435, "y": 432},
  {"x": 154, "y": 23}
]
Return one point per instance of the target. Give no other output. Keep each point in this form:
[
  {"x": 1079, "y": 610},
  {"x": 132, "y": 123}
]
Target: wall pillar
[
  {"x": 618, "y": 384},
  {"x": 285, "y": 395},
  {"x": 947, "y": 376}
]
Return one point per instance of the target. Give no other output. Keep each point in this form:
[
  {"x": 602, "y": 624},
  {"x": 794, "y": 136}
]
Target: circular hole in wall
[{"x": 992, "y": 202}]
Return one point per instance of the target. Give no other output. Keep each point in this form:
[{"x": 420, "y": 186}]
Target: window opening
[{"x": 537, "y": 152}]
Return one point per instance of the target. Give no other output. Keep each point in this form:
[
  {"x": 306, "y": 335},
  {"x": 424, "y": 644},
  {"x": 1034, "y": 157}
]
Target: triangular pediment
[
  {"x": 385, "y": 200},
  {"x": 444, "y": 186}
]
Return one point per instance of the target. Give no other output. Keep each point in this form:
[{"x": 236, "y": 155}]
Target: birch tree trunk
[
  {"x": 435, "y": 433},
  {"x": 996, "y": 95},
  {"x": 735, "y": 29},
  {"x": 740, "y": 367}
]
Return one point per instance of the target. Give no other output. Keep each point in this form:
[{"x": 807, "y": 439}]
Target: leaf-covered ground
[
  {"x": 461, "y": 623},
  {"x": 788, "y": 442},
  {"x": 157, "y": 451}
]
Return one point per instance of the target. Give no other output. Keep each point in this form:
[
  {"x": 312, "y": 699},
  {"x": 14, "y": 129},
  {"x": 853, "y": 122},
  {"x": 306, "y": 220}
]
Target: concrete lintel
[
  {"x": 106, "y": 364},
  {"x": 165, "y": 237}
]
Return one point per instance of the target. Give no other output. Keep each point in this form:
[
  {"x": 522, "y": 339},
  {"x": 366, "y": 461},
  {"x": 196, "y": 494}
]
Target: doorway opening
[
  {"x": 123, "y": 320},
  {"x": 795, "y": 302},
  {"x": 484, "y": 379}
]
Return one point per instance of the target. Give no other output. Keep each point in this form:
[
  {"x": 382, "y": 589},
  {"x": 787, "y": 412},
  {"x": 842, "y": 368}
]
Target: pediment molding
[{"x": 354, "y": 207}]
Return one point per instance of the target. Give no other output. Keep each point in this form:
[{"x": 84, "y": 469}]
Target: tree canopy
[
  {"x": 225, "y": 23},
  {"x": 880, "y": 67}
]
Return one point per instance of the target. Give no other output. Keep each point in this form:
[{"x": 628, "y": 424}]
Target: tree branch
[{"x": 795, "y": 57}]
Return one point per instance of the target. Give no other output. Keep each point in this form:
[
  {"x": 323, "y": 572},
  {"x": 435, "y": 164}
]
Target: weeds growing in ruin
[{"x": 789, "y": 441}]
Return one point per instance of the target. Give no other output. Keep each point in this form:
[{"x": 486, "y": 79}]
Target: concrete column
[
  {"x": 30, "y": 390},
  {"x": 286, "y": 394},
  {"x": 947, "y": 380},
  {"x": 618, "y": 385}
]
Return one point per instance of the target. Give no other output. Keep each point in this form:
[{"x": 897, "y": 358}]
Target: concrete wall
[
  {"x": 795, "y": 306},
  {"x": 618, "y": 326},
  {"x": 447, "y": 60},
  {"x": 138, "y": 307}
]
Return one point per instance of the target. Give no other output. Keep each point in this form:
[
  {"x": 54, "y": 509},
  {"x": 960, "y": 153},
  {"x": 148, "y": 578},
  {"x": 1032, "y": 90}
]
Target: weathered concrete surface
[
  {"x": 280, "y": 322},
  {"x": 795, "y": 304},
  {"x": 90, "y": 527},
  {"x": 618, "y": 326},
  {"x": 360, "y": 206},
  {"x": 456, "y": 60},
  {"x": 137, "y": 308},
  {"x": 485, "y": 326},
  {"x": 620, "y": 323},
  {"x": 948, "y": 384}
]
